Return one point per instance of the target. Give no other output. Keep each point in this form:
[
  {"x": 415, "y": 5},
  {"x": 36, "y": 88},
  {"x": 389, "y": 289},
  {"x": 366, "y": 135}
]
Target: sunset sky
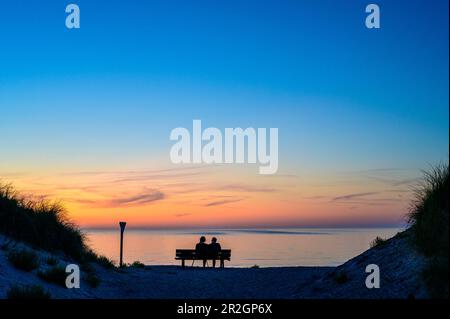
[{"x": 85, "y": 115}]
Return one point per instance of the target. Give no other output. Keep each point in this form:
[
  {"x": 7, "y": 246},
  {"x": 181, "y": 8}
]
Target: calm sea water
[{"x": 274, "y": 247}]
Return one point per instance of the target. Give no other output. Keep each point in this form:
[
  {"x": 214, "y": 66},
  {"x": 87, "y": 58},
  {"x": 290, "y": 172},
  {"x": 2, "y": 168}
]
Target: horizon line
[{"x": 162, "y": 228}]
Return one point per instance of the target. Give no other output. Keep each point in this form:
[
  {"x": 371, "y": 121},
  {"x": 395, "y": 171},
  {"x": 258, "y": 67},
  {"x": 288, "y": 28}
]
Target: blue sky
[
  {"x": 343, "y": 96},
  {"x": 359, "y": 111}
]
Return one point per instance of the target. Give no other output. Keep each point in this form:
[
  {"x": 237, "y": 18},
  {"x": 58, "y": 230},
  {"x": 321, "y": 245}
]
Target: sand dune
[{"x": 399, "y": 264}]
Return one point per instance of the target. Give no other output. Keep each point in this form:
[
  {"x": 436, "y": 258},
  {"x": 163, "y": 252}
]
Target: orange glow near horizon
[{"x": 209, "y": 196}]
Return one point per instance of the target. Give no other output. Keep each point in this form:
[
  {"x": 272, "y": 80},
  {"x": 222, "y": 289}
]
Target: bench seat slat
[{"x": 190, "y": 254}]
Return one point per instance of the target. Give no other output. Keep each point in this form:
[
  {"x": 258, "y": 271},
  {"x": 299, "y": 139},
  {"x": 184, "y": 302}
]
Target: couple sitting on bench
[
  {"x": 203, "y": 251},
  {"x": 206, "y": 251}
]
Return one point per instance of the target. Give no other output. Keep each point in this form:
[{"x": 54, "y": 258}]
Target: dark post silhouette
[{"x": 122, "y": 229}]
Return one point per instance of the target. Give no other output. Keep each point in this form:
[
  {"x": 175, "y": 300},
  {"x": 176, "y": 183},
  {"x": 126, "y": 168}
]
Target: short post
[{"x": 122, "y": 229}]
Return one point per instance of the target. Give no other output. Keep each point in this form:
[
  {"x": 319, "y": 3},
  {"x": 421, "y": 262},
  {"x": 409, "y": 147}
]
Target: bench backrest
[{"x": 190, "y": 253}]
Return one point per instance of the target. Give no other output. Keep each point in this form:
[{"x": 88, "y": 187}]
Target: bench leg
[
  {"x": 182, "y": 263},
  {"x": 222, "y": 263}
]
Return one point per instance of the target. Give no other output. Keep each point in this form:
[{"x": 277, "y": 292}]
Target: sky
[{"x": 86, "y": 114}]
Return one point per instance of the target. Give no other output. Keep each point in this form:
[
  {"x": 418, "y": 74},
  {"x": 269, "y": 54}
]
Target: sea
[{"x": 249, "y": 247}]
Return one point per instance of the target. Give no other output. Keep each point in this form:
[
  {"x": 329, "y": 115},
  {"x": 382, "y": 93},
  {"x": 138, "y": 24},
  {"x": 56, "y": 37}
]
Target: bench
[{"x": 190, "y": 254}]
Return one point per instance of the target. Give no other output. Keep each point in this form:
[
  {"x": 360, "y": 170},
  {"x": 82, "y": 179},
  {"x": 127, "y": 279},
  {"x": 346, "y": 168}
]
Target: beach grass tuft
[
  {"x": 27, "y": 292},
  {"x": 429, "y": 222},
  {"x": 340, "y": 278},
  {"x": 51, "y": 261},
  {"x": 56, "y": 274},
  {"x": 137, "y": 264},
  {"x": 23, "y": 259},
  {"x": 91, "y": 256},
  {"x": 92, "y": 279},
  {"x": 378, "y": 242},
  {"x": 43, "y": 224}
]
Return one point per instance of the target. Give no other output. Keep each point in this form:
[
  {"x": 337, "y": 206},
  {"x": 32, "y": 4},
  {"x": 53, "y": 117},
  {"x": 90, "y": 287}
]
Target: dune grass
[
  {"x": 137, "y": 264},
  {"x": 378, "y": 242},
  {"x": 340, "y": 277},
  {"x": 55, "y": 274},
  {"x": 23, "y": 259},
  {"x": 43, "y": 224},
  {"x": 51, "y": 261},
  {"x": 429, "y": 224},
  {"x": 92, "y": 279},
  {"x": 27, "y": 292},
  {"x": 101, "y": 260}
]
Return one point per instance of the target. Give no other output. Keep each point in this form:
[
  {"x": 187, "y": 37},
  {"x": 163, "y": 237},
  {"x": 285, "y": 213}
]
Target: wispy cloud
[
  {"x": 134, "y": 172},
  {"x": 11, "y": 174},
  {"x": 391, "y": 176},
  {"x": 182, "y": 214},
  {"x": 316, "y": 197},
  {"x": 352, "y": 196},
  {"x": 223, "y": 202},
  {"x": 147, "y": 177},
  {"x": 247, "y": 188},
  {"x": 141, "y": 199},
  {"x": 407, "y": 182},
  {"x": 382, "y": 170}
]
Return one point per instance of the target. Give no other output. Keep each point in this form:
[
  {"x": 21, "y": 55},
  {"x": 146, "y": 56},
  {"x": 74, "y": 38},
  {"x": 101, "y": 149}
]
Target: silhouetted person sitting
[
  {"x": 201, "y": 250},
  {"x": 214, "y": 249}
]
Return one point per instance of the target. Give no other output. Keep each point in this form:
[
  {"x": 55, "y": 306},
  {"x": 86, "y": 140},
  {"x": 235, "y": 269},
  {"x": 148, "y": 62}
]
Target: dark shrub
[
  {"x": 23, "y": 259},
  {"x": 55, "y": 274},
  {"x": 104, "y": 262},
  {"x": 92, "y": 279},
  {"x": 51, "y": 261},
  {"x": 340, "y": 277},
  {"x": 435, "y": 275},
  {"x": 87, "y": 267},
  {"x": 91, "y": 256},
  {"x": 27, "y": 292},
  {"x": 378, "y": 242},
  {"x": 137, "y": 264}
]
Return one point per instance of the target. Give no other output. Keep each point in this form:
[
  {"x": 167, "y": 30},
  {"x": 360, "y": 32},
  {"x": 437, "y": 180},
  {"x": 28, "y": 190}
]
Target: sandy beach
[{"x": 400, "y": 267}]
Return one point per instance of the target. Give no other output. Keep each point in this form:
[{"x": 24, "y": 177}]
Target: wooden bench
[{"x": 190, "y": 254}]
